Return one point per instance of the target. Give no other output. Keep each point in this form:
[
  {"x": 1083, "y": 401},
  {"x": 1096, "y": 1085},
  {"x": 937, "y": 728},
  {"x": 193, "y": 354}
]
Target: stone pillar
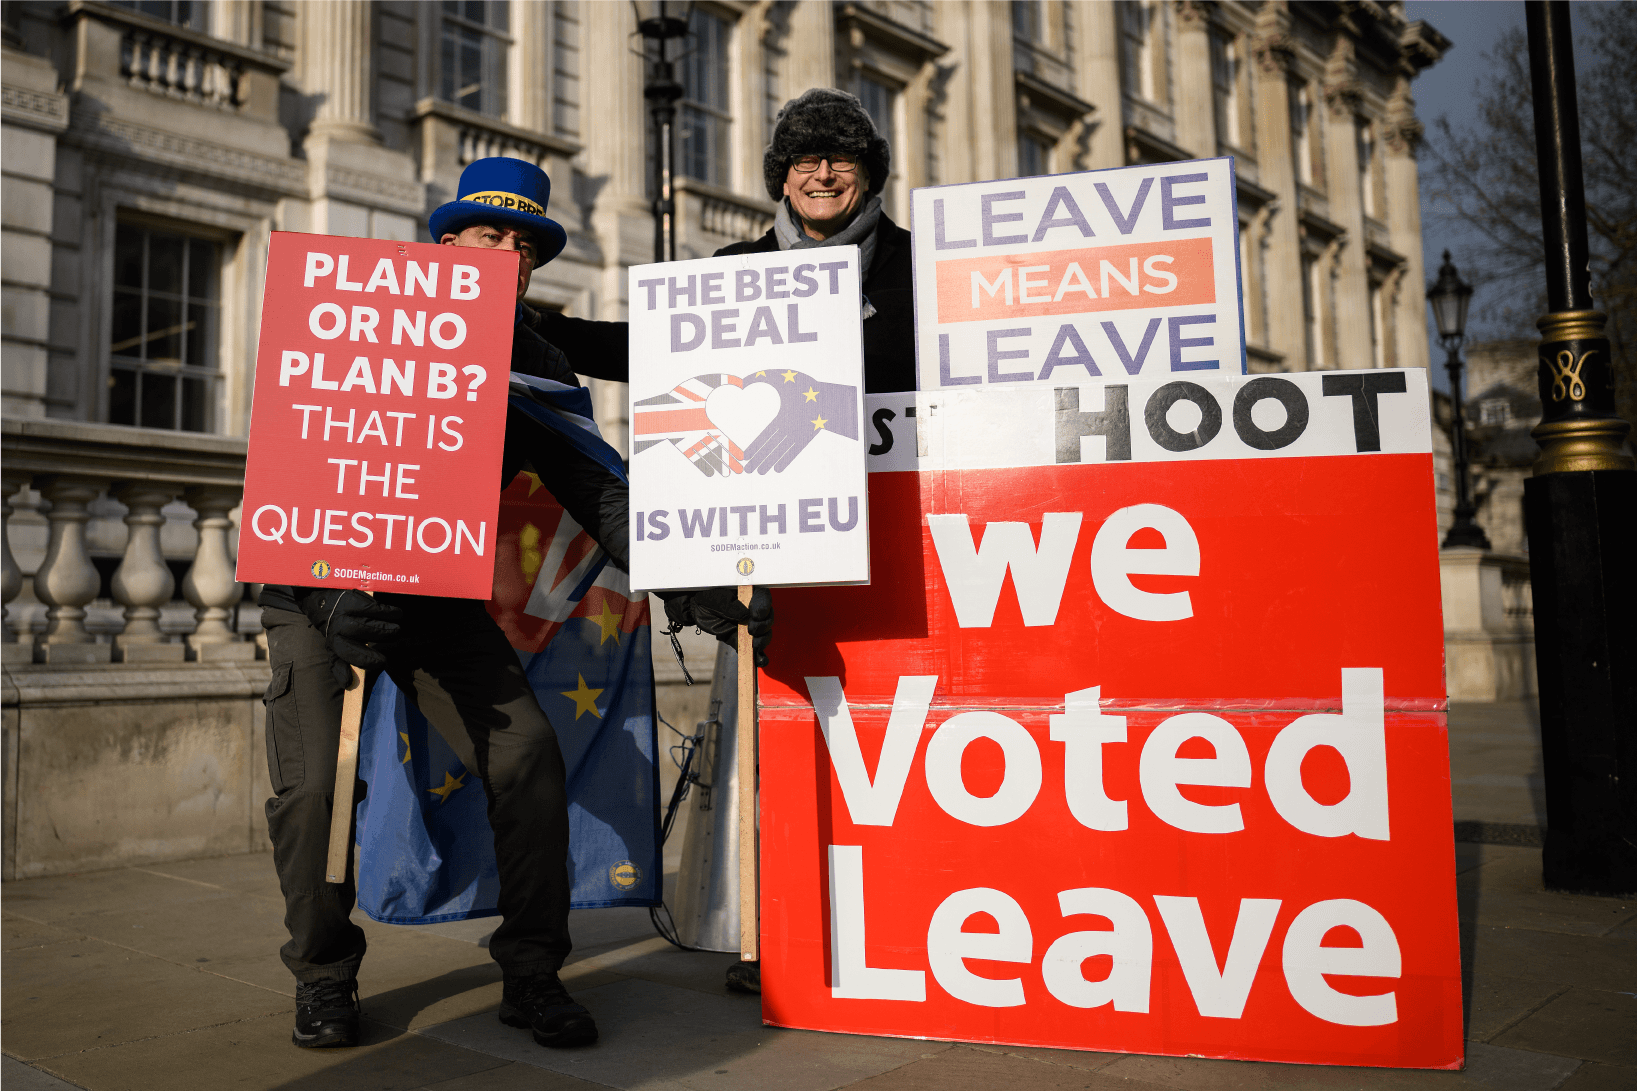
[
  {"x": 67, "y": 580},
  {"x": 993, "y": 89},
  {"x": 209, "y": 585},
  {"x": 1401, "y": 133},
  {"x": 1097, "y": 47},
  {"x": 1193, "y": 99},
  {"x": 12, "y": 583},
  {"x": 811, "y": 59},
  {"x": 614, "y": 127},
  {"x": 529, "y": 91},
  {"x": 1351, "y": 314},
  {"x": 1274, "y": 50},
  {"x": 335, "y": 66},
  {"x": 143, "y": 583}
]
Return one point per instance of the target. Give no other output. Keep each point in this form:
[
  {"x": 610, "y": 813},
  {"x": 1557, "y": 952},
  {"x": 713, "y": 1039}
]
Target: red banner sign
[
  {"x": 1140, "y": 752},
  {"x": 379, "y": 416}
]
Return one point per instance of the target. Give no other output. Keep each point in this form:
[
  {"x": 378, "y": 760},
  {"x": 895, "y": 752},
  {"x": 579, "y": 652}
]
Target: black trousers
[{"x": 462, "y": 674}]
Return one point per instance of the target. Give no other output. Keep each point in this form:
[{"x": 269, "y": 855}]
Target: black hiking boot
[
  {"x": 326, "y": 1015},
  {"x": 538, "y": 1002}
]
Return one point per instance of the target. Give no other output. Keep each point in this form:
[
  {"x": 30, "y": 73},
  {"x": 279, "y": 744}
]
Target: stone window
[
  {"x": 472, "y": 55},
  {"x": 1312, "y": 320},
  {"x": 1369, "y": 173},
  {"x": 1034, "y": 155},
  {"x": 881, "y": 103},
  {"x": 1304, "y": 136},
  {"x": 182, "y": 13},
  {"x": 1227, "y": 77},
  {"x": 1144, "y": 41},
  {"x": 707, "y": 115},
  {"x": 1495, "y": 411},
  {"x": 1027, "y": 23},
  {"x": 163, "y": 363}
]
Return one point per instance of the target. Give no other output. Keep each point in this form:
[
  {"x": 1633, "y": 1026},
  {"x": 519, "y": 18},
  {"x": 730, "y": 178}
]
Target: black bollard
[{"x": 1581, "y": 517}]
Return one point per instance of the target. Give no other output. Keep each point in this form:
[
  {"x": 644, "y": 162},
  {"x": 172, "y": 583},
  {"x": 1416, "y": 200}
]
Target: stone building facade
[
  {"x": 166, "y": 138},
  {"x": 151, "y": 146}
]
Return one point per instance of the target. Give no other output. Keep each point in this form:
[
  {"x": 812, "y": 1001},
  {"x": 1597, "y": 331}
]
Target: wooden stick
[
  {"x": 346, "y": 778},
  {"x": 749, "y": 934}
]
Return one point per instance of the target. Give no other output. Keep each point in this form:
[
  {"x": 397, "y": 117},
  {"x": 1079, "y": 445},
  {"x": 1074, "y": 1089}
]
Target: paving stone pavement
[{"x": 167, "y": 977}]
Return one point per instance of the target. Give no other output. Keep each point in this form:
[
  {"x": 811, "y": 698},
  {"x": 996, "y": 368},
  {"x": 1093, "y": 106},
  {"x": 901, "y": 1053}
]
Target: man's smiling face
[{"x": 827, "y": 199}]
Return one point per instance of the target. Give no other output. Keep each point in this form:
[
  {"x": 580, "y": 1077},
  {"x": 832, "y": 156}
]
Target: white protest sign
[
  {"x": 747, "y": 393},
  {"x": 1063, "y": 278}
]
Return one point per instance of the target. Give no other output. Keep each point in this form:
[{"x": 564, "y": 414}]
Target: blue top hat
[{"x": 504, "y": 191}]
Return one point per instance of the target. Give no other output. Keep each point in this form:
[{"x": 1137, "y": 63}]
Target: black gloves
[
  {"x": 718, "y": 611},
  {"x": 351, "y": 621}
]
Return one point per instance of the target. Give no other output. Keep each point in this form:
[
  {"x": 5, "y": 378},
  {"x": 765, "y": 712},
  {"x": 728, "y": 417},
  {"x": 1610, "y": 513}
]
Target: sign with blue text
[
  {"x": 747, "y": 393},
  {"x": 1068, "y": 278}
]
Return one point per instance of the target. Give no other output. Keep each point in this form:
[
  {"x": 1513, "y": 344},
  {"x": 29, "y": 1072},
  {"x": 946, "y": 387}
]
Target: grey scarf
[{"x": 861, "y": 232}]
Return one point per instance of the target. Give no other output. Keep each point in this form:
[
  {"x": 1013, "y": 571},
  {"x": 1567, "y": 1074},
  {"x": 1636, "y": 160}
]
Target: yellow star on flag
[
  {"x": 451, "y": 784},
  {"x": 609, "y": 622},
  {"x": 789, "y": 376},
  {"x": 584, "y": 698},
  {"x": 760, "y": 375},
  {"x": 534, "y": 482},
  {"x": 820, "y": 422},
  {"x": 405, "y": 738},
  {"x": 811, "y": 395}
]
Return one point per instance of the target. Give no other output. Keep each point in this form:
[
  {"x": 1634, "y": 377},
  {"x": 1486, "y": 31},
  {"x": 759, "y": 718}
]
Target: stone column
[
  {"x": 335, "y": 66},
  {"x": 1344, "y": 97},
  {"x": 12, "y": 583},
  {"x": 1097, "y": 48},
  {"x": 143, "y": 583},
  {"x": 209, "y": 585},
  {"x": 67, "y": 580},
  {"x": 1193, "y": 98},
  {"x": 529, "y": 90},
  {"x": 994, "y": 89},
  {"x": 1274, "y": 51},
  {"x": 811, "y": 48},
  {"x": 1402, "y": 133}
]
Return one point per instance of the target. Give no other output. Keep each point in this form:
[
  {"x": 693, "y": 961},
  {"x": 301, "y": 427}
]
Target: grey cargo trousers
[{"x": 459, "y": 670}]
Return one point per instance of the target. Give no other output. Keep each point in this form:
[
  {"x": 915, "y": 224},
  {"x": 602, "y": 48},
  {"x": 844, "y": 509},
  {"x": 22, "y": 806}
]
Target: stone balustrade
[
  {"x": 161, "y": 63},
  {"x": 86, "y": 471},
  {"x": 720, "y": 213}
]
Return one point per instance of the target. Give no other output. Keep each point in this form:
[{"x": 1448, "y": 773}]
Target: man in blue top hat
[{"x": 453, "y": 661}]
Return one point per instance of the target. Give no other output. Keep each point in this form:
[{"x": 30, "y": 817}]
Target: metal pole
[
  {"x": 662, "y": 92},
  {"x": 1580, "y": 510},
  {"x": 1464, "y": 531}
]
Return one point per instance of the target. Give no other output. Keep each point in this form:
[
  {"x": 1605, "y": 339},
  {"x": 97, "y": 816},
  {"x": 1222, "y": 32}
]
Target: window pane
[
  {"x": 200, "y": 334},
  {"x": 195, "y": 404},
  {"x": 126, "y": 339},
  {"x": 498, "y": 15},
  {"x": 164, "y": 263},
  {"x": 202, "y": 269},
  {"x": 164, "y": 330},
  {"x": 158, "y": 400},
  {"x": 127, "y": 256},
  {"x": 473, "y": 10},
  {"x": 122, "y": 397}
]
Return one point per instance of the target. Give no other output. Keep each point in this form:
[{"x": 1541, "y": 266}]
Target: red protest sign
[
  {"x": 379, "y": 416},
  {"x": 1136, "y": 741}
]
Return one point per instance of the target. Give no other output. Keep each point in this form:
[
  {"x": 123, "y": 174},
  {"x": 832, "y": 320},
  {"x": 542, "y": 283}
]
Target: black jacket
[
  {"x": 600, "y": 350},
  {"x": 588, "y": 492}
]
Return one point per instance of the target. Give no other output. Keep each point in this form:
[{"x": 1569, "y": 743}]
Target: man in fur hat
[{"x": 826, "y": 167}]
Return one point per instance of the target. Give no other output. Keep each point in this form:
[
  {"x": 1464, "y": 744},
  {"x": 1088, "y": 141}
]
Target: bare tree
[{"x": 1487, "y": 181}]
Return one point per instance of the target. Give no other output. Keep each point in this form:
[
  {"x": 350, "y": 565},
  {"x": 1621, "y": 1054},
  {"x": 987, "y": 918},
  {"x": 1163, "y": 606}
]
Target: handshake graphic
[{"x": 725, "y": 424}]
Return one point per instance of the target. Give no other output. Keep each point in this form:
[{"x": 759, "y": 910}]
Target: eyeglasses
[{"x": 807, "y": 164}]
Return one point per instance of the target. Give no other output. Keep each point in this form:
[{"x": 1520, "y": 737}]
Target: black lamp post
[
  {"x": 1449, "y": 298},
  {"x": 661, "y": 23}
]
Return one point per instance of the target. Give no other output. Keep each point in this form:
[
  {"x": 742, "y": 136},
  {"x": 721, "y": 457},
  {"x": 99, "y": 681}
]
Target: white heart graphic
[{"x": 742, "y": 412}]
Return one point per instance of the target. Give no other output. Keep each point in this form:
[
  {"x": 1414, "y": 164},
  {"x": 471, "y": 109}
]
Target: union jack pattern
[{"x": 679, "y": 417}]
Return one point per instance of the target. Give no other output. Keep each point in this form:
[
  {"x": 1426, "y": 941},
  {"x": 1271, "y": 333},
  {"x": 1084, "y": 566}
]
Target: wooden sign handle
[
  {"x": 346, "y": 777},
  {"x": 749, "y": 934}
]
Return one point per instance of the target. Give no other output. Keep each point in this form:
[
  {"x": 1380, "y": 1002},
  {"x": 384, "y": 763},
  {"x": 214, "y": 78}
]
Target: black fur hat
[{"x": 822, "y": 120}]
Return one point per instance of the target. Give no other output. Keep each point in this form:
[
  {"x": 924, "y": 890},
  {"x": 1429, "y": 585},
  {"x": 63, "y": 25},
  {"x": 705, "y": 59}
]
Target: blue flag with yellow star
[{"x": 426, "y": 852}]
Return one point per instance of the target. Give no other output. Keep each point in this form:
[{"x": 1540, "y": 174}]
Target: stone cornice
[
  {"x": 148, "y": 146},
  {"x": 46, "y": 110},
  {"x": 112, "y": 452},
  {"x": 375, "y": 190}
]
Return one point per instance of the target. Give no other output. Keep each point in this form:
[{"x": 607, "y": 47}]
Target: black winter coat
[{"x": 599, "y": 349}]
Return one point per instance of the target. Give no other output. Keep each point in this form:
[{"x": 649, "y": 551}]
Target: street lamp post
[
  {"x": 1449, "y": 298},
  {"x": 660, "y": 24},
  {"x": 1580, "y": 510}
]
